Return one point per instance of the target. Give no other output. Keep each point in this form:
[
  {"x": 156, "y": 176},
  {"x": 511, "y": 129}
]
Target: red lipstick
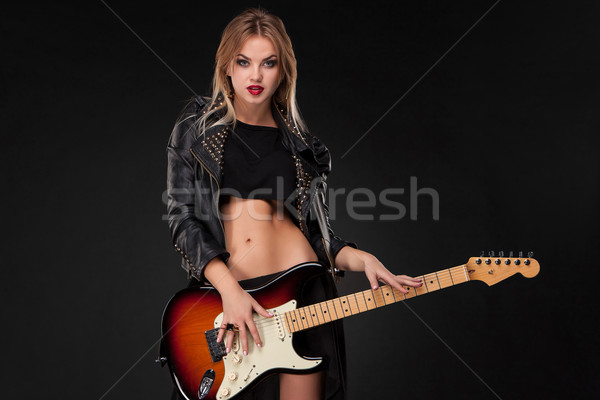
[{"x": 255, "y": 90}]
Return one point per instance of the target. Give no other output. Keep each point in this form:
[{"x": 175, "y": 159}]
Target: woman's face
[{"x": 254, "y": 73}]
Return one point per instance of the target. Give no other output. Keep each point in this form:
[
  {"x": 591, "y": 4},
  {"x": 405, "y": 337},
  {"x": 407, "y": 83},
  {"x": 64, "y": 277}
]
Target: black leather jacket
[{"x": 194, "y": 181}]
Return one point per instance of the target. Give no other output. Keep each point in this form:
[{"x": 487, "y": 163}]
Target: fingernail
[
  {"x": 259, "y": 345},
  {"x": 270, "y": 314},
  {"x": 218, "y": 340},
  {"x": 245, "y": 353},
  {"x": 374, "y": 287},
  {"x": 227, "y": 350}
]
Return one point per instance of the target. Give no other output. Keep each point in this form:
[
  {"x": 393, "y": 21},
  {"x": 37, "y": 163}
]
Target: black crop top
[{"x": 256, "y": 165}]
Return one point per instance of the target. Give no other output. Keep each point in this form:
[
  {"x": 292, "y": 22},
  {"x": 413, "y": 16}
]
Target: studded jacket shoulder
[{"x": 194, "y": 179}]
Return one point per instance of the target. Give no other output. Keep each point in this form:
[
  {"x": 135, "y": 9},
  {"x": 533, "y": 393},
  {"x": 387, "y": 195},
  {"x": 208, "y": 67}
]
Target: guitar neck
[{"x": 330, "y": 310}]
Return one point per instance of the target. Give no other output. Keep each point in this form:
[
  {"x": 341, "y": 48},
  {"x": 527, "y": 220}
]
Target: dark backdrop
[{"x": 502, "y": 127}]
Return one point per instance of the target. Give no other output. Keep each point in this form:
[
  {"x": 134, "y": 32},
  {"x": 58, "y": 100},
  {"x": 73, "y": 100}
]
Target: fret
[
  {"x": 424, "y": 280},
  {"x": 345, "y": 306},
  {"x": 368, "y": 304},
  {"x": 331, "y": 304},
  {"x": 450, "y": 273},
  {"x": 303, "y": 318},
  {"x": 411, "y": 292},
  {"x": 332, "y": 309},
  {"x": 357, "y": 305},
  {"x": 438, "y": 280},
  {"x": 423, "y": 289},
  {"x": 288, "y": 322},
  {"x": 294, "y": 317},
  {"x": 324, "y": 313},
  {"x": 432, "y": 282},
  {"x": 309, "y": 317},
  {"x": 401, "y": 296},
  {"x": 379, "y": 301},
  {"x": 338, "y": 308},
  {"x": 445, "y": 278},
  {"x": 314, "y": 314},
  {"x": 368, "y": 294},
  {"x": 394, "y": 294},
  {"x": 458, "y": 275},
  {"x": 385, "y": 293}
]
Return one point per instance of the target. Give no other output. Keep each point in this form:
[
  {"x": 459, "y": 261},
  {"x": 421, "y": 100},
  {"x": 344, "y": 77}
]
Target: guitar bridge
[{"x": 217, "y": 350}]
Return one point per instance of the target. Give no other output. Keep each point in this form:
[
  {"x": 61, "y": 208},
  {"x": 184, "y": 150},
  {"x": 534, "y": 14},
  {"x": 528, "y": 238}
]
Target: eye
[
  {"x": 271, "y": 63},
  {"x": 240, "y": 62}
]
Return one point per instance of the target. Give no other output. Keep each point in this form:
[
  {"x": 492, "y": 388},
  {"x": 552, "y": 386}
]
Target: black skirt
[{"x": 325, "y": 341}]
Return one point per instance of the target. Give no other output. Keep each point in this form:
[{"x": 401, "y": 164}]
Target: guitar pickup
[{"x": 217, "y": 350}]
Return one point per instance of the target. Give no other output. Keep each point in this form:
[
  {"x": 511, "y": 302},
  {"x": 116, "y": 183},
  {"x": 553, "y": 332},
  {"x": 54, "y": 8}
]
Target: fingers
[
  {"x": 260, "y": 310},
  {"x": 229, "y": 341},
  {"x": 396, "y": 284},
  {"x": 220, "y": 335},
  {"x": 372, "y": 277},
  {"x": 409, "y": 281},
  {"x": 255, "y": 334},
  {"x": 244, "y": 339}
]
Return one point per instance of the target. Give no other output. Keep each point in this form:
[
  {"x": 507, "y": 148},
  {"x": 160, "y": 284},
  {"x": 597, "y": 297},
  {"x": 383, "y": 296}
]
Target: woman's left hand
[{"x": 351, "y": 259}]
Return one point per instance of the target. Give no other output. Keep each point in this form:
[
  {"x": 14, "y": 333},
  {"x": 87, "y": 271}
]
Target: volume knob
[
  {"x": 224, "y": 392},
  {"x": 232, "y": 376},
  {"x": 236, "y": 359}
]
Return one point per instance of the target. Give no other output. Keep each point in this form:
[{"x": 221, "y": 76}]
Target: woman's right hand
[{"x": 238, "y": 307}]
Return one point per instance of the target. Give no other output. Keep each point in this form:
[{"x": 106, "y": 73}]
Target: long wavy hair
[{"x": 252, "y": 21}]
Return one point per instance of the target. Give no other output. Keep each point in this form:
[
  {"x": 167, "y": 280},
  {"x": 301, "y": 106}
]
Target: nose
[{"x": 256, "y": 75}]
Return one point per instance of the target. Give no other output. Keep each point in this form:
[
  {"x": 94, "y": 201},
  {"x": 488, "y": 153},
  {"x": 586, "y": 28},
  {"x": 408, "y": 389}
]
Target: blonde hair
[{"x": 253, "y": 21}]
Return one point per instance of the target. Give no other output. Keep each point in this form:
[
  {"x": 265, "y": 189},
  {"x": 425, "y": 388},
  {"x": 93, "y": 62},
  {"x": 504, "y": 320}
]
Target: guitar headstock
[{"x": 492, "y": 269}]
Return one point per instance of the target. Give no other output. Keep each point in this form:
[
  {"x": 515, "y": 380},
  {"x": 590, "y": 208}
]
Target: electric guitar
[{"x": 200, "y": 367}]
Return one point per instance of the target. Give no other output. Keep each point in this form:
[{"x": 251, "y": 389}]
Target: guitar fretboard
[{"x": 352, "y": 304}]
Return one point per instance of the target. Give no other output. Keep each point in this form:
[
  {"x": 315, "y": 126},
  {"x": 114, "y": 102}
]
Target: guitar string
[
  {"x": 444, "y": 282},
  {"x": 354, "y": 309}
]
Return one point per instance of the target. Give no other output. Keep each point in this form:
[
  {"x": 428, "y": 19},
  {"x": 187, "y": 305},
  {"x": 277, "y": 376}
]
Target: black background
[{"x": 503, "y": 128}]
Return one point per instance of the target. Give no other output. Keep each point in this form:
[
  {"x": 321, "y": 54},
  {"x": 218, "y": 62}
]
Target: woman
[{"x": 222, "y": 155}]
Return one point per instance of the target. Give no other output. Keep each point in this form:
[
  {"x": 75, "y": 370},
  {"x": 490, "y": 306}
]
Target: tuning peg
[
  {"x": 520, "y": 254},
  {"x": 510, "y": 254},
  {"x": 530, "y": 254},
  {"x": 491, "y": 254},
  {"x": 501, "y": 254}
]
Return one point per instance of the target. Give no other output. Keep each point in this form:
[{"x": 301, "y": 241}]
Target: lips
[{"x": 255, "y": 89}]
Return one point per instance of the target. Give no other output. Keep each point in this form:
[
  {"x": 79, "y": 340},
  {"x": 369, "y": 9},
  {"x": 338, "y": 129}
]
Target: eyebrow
[{"x": 264, "y": 59}]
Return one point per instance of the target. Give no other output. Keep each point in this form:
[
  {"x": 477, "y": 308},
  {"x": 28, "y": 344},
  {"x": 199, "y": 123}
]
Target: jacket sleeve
[
  {"x": 323, "y": 159},
  {"x": 190, "y": 234}
]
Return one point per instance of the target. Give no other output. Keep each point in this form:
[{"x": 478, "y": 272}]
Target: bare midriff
[{"x": 261, "y": 237}]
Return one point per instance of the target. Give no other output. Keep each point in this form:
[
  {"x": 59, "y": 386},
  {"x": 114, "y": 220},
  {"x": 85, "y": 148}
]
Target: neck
[
  {"x": 254, "y": 114},
  {"x": 346, "y": 306}
]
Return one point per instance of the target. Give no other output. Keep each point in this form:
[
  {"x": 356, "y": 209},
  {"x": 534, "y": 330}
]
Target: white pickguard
[{"x": 276, "y": 352}]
